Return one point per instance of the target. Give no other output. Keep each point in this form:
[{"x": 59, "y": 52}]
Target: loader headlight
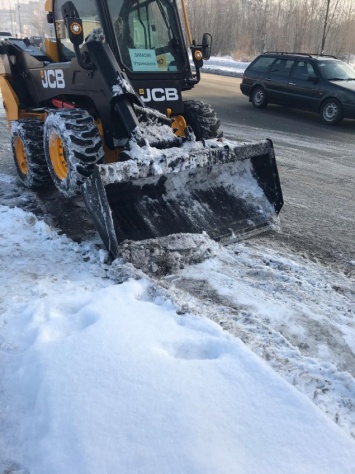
[
  {"x": 198, "y": 55},
  {"x": 76, "y": 28}
]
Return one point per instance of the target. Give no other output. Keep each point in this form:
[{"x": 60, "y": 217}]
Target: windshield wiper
[
  {"x": 167, "y": 23},
  {"x": 336, "y": 79}
]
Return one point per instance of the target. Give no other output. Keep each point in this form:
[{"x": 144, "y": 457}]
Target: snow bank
[{"x": 98, "y": 377}]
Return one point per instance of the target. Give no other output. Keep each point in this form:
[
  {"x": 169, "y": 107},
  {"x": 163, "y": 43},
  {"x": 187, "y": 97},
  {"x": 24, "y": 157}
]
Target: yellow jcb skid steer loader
[{"x": 98, "y": 109}]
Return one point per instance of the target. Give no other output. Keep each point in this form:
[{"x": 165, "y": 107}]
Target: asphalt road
[
  {"x": 316, "y": 164},
  {"x": 223, "y": 93}
]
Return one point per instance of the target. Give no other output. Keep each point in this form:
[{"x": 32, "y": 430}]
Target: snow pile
[
  {"x": 97, "y": 377},
  {"x": 149, "y": 161},
  {"x": 168, "y": 254},
  {"x": 225, "y": 66}
]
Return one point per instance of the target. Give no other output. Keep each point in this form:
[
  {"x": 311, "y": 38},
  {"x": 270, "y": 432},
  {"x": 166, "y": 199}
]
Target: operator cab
[
  {"x": 144, "y": 34},
  {"x": 146, "y": 38}
]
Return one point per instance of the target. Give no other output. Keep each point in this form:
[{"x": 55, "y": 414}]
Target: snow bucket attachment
[{"x": 226, "y": 189}]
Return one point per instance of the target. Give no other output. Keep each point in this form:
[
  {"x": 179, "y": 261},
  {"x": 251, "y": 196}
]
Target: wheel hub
[
  {"x": 259, "y": 96},
  {"x": 330, "y": 112},
  {"x": 57, "y": 156},
  {"x": 20, "y": 155}
]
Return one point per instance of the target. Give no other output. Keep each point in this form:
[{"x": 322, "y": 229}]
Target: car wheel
[
  {"x": 258, "y": 97},
  {"x": 331, "y": 112}
]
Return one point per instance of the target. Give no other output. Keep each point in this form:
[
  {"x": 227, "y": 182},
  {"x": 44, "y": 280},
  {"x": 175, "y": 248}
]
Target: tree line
[{"x": 245, "y": 28}]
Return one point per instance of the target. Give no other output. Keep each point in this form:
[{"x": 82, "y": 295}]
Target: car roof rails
[
  {"x": 309, "y": 55},
  {"x": 326, "y": 56},
  {"x": 287, "y": 52}
]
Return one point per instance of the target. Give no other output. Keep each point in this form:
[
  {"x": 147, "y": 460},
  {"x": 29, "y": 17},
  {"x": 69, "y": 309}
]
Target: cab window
[
  {"x": 147, "y": 35},
  {"x": 87, "y": 11}
]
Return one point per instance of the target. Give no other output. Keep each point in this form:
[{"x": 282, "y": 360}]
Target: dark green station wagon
[{"x": 319, "y": 83}]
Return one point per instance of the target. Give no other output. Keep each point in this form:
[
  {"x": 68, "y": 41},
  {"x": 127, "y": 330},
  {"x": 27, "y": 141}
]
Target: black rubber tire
[
  {"x": 331, "y": 112},
  {"x": 258, "y": 97},
  {"x": 28, "y": 152},
  {"x": 72, "y": 145},
  {"x": 202, "y": 118}
]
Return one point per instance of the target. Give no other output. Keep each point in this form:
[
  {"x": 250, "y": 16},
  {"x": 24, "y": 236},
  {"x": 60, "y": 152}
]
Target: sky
[
  {"x": 7, "y": 4},
  {"x": 242, "y": 363},
  {"x": 13, "y": 3}
]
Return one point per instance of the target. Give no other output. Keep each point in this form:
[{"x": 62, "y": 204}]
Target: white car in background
[{"x": 4, "y": 35}]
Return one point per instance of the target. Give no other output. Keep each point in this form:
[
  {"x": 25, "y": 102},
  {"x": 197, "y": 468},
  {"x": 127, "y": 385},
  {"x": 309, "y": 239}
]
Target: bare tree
[{"x": 247, "y": 27}]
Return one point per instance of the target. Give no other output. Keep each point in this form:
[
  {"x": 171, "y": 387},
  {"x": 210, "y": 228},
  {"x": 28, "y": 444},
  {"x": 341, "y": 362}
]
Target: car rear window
[{"x": 262, "y": 63}]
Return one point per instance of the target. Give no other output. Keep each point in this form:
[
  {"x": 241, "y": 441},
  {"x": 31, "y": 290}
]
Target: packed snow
[
  {"x": 239, "y": 361},
  {"x": 224, "y": 66},
  {"x": 98, "y": 376}
]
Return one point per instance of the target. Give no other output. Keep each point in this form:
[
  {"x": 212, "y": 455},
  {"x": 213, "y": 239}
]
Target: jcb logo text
[
  {"x": 53, "y": 78},
  {"x": 158, "y": 94}
]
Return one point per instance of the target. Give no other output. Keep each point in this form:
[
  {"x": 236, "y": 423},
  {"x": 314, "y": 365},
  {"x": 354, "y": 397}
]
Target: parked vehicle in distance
[
  {"x": 5, "y": 35},
  {"x": 36, "y": 40},
  {"x": 319, "y": 83}
]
